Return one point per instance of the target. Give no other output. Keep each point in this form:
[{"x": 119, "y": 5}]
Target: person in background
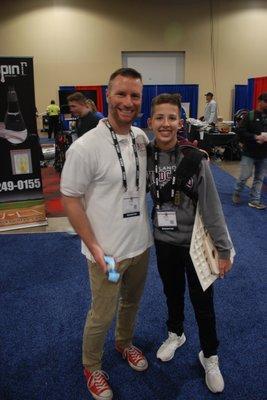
[
  {"x": 92, "y": 107},
  {"x": 104, "y": 193},
  {"x": 252, "y": 133},
  {"x": 211, "y": 110},
  {"x": 79, "y": 107},
  {"x": 173, "y": 220},
  {"x": 53, "y": 112}
]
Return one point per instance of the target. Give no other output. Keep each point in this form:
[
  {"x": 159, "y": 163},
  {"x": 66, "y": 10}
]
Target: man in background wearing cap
[
  {"x": 253, "y": 135},
  {"x": 210, "y": 113}
]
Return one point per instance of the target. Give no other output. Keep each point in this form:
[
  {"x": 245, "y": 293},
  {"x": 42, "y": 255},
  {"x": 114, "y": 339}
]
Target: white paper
[{"x": 204, "y": 254}]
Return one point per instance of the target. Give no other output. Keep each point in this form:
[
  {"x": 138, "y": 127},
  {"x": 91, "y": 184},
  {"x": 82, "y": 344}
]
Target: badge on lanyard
[
  {"x": 167, "y": 220},
  {"x": 131, "y": 205}
]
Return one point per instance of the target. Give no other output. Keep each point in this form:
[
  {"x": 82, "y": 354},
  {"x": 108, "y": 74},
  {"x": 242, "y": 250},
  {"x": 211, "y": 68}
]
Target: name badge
[
  {"x": 131, "y": 205},
  {"x": 167, "y": 220}
]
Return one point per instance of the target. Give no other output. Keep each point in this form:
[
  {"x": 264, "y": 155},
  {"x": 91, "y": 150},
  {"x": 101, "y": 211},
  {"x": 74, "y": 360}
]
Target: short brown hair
[
  {"x": 77, "y": 96},
  {"x": 165, "y": 98},
  {"x": 127, "y": 72}
]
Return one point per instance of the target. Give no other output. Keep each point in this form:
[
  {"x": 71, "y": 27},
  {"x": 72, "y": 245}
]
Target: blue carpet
[{"x": 44, "y": 299}]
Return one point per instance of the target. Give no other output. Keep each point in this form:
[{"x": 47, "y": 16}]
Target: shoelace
[
  {"x": 134, "y": 353},
  {"x": 99, "y": 379},
  {"x": 213, "y": 366},
  {"x": 168, "y": 341}
]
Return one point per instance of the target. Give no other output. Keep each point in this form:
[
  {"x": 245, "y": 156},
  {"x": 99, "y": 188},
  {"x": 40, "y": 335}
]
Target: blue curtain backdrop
[
  {"x": 149, "y": 91},
  {"x": 189, "y": 94},
  {"x": 241, "y": 97},
  {"x": 250, "y": 93},
  {"x": 254, "y": 88}
]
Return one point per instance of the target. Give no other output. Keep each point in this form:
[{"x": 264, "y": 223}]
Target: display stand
[{"x": 21, "y": 197}]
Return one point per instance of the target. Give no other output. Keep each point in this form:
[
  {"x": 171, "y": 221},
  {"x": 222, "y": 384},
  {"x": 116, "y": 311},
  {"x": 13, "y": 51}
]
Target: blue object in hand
[{"x": 113, "y": 275}]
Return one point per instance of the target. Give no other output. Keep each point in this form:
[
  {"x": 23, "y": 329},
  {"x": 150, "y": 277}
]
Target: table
[{"x": 217, "y": 139}]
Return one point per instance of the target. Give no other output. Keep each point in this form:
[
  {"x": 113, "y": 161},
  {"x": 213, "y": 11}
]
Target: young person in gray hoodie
[{"x": 173, "y": 220}]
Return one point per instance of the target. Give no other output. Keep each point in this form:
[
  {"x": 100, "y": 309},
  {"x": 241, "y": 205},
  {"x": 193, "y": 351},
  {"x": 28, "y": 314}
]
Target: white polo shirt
[{"x": 92, "y": 171}]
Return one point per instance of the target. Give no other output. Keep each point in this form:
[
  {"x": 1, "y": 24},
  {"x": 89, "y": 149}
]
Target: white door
[{"x": 157, "y": 68}]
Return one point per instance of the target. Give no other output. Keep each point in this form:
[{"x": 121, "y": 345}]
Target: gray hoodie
[{"x": 208, "y": 198}]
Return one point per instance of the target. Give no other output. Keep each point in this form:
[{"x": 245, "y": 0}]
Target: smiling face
[
  {"x": 165, "y": 123},
  {"x": 124, "y": 97}
]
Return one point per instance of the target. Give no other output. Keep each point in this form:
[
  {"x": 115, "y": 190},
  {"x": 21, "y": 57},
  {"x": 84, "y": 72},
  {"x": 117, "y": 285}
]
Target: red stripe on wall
[
  {"x": 98, "y": 90},
  {"x": 260, "y": 86}
]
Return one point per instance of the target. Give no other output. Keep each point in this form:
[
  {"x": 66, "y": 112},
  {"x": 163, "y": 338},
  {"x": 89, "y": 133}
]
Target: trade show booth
[
  {"x": 245, "y": 96},
  {"x": 21, "y": 197}
]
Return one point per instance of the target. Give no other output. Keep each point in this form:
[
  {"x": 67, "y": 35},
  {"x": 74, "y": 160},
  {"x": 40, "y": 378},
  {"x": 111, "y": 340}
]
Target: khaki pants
[{"x": 107, "y": 297}]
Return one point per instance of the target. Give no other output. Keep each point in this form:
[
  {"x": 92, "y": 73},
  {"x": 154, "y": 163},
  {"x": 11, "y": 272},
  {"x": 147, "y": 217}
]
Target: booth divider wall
[
  {"x": 241, "y": 98},
  {"x": 98, "y": 94},
  {"x": 246, "y": 95},
  {"x": 256, "y": 86},
  {"x": 92, "y": 92}
]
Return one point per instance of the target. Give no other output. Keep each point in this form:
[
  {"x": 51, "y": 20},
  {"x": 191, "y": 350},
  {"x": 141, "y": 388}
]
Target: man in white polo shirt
[
  {"x": 211, "y": 109},
  {"x": 104, "y": 193}
]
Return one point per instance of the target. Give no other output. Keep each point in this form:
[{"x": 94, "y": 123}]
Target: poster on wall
[{"x": 21, "y": 196}]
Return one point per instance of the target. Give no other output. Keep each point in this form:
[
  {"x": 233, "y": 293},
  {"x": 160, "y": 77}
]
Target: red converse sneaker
[
  {"x": 134, "y": 356},
  {"x": 97, "y": 384}
]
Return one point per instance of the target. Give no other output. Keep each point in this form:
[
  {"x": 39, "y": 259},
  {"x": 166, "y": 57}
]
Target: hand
[
  {"x": 98, "y": 255},
  {"x": 224, "y": 267},
  {"x": 261, "y": 139},
  {"x": 183, "y": 141}
]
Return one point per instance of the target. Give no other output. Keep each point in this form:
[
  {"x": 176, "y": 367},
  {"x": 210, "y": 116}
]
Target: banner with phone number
[{"x": 21, "y": 196}]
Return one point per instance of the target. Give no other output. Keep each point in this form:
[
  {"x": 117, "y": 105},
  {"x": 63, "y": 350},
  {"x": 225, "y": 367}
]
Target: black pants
[
  {"x": 173, "y": 263},
  {"x": 52, "y": 125}
]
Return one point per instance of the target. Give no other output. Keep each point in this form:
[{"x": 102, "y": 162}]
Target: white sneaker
[
  {"x": 214, "y": 379},
  {"x": 167, "y": 349}
]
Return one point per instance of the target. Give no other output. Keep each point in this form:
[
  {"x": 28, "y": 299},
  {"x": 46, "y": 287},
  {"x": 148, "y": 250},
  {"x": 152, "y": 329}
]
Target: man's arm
[{"x": 77, "y": 216}]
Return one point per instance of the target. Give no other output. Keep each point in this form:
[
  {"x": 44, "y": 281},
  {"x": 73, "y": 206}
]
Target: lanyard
[
  {"x": 118, "y": 151},
  {"x": 173, "y": 178}
]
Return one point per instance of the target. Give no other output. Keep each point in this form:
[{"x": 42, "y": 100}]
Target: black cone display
[{"x": 13, "y": 119}]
